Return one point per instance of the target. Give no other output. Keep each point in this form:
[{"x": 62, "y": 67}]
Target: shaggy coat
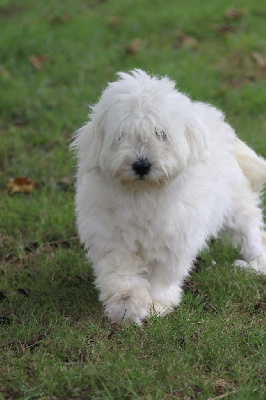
[{"x": 158, "y": 176}]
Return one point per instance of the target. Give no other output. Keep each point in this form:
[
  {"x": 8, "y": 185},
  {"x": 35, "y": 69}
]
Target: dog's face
[
  {"x": 138, "y": 152},
  {"x": 141, "y": 132}
]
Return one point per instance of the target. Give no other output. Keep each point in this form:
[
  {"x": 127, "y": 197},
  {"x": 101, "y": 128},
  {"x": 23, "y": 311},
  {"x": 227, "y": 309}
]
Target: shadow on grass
[
  {"x": 58, "y": 284},
  {"x": 54, "y": 285}
]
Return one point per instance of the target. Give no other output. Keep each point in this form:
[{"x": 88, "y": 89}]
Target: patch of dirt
[
  {"x": 259, "y": 307},
  {"x": 7, "y": 393},
  {"x": 190, "y": 286},
  {"x": 31, "y": 251},
  {"x": 220, "y": 386},
  {"x": 20, "y": 347},
  {"x": 10, "y": 10},
  {"x": 240, "y": 69}
]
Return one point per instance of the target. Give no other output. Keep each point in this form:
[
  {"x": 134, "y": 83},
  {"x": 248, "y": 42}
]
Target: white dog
[{"x": 158, "y": 176}]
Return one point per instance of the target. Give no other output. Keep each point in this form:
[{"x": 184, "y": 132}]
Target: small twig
[
  {"x": 222, "y": 395},
  {"x": 31, "y": 246},
  {"x": 62, "y": 240}
]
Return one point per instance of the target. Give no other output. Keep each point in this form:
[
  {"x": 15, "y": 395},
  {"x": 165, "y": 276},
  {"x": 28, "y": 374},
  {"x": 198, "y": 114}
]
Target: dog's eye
[{"x": 160, "y": 134}]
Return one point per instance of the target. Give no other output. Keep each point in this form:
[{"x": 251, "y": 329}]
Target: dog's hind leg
[{"x": 248, "y": 231}]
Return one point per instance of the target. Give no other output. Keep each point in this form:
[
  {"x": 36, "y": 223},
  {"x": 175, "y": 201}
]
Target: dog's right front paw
[{"x": 130, "y": 305}]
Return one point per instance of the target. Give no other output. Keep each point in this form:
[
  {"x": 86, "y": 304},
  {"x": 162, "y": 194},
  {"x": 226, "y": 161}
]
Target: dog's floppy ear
[
  {"x": 197, "y": 139},
  {"x": 88, "y": 143}
]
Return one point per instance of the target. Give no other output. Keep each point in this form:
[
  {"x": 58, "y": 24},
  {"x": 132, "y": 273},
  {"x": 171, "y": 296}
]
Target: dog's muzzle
[{"x": 141, "y": 168}]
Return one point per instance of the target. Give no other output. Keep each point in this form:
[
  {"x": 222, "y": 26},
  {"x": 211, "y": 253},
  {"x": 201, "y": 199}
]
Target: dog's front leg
[
  {"x": 124, "y": 289},
  {"x": 165, "y": 289}
]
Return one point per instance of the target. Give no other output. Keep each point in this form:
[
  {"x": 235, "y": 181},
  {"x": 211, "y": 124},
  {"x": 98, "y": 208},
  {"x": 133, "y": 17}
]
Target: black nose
[{"x": 142, "y": 167}]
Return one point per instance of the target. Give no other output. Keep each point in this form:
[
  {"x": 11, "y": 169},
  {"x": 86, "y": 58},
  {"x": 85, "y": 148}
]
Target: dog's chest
[{"x": 145, "y": 225}]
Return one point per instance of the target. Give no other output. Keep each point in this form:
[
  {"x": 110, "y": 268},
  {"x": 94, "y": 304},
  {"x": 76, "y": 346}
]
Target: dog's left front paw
[
  {"x": 161, "y": 309},
  {"x": 255, "y": 265}
]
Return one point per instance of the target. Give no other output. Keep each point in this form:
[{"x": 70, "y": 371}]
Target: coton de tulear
[{"x": 158, "y": 176}]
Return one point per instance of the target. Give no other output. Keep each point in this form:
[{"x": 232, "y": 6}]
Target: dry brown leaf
[
  {"x": 59, "y": 19},
  {"x": 187, "y": 41},
  {"x": 38, "y": 61},
  {"x": 223, "y": 29},
  {"x": 259, "y": 59},
  {"x": 21, "y": 185},
  {"x": 113, "y": 21},
  {"x": 65, "y": 182},
  {"x": 133, "y": 46},
  {"x": 233, "y": 13},
  {"x": 65, "y": 17}
]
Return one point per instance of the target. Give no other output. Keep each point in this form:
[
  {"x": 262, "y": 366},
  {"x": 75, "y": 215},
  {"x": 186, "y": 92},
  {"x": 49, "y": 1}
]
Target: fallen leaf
[
  {"x": 233, "y": 13},
  {"x": 38, "y": 61},
  {"x": 21, "y": 185},
  {"x": 113, "y": 21},
  {"x": 133, "y": 46},
  {"x": 259, "y": 59},
  {"x": 65, "y": 182},
  {"x": 186, "y": 41},
  {"x": 223, "y": 29},
  {"x": 59, "y": 19}
]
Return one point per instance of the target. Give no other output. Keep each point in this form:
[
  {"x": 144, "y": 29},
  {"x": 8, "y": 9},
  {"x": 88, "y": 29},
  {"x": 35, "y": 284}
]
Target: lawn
[{"x": 55, "y": 342}]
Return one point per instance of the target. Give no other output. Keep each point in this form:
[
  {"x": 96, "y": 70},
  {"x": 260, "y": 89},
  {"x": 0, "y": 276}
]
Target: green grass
[{"x": 55, "y": 342}]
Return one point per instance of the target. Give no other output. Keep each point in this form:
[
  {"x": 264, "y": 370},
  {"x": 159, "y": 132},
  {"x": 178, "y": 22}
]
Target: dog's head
[{"x": 142, "y": 132}]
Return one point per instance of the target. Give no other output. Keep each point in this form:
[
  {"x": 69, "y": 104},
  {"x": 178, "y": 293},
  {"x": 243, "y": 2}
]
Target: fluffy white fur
[{"x": 144, "y": 229}]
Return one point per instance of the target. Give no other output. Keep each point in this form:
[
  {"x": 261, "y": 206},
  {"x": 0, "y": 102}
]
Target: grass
[{"x": 55, "y": 342}]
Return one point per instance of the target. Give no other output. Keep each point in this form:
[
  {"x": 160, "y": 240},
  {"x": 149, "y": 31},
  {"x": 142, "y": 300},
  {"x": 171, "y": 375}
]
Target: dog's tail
[{"x": 252, "y": 165}]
